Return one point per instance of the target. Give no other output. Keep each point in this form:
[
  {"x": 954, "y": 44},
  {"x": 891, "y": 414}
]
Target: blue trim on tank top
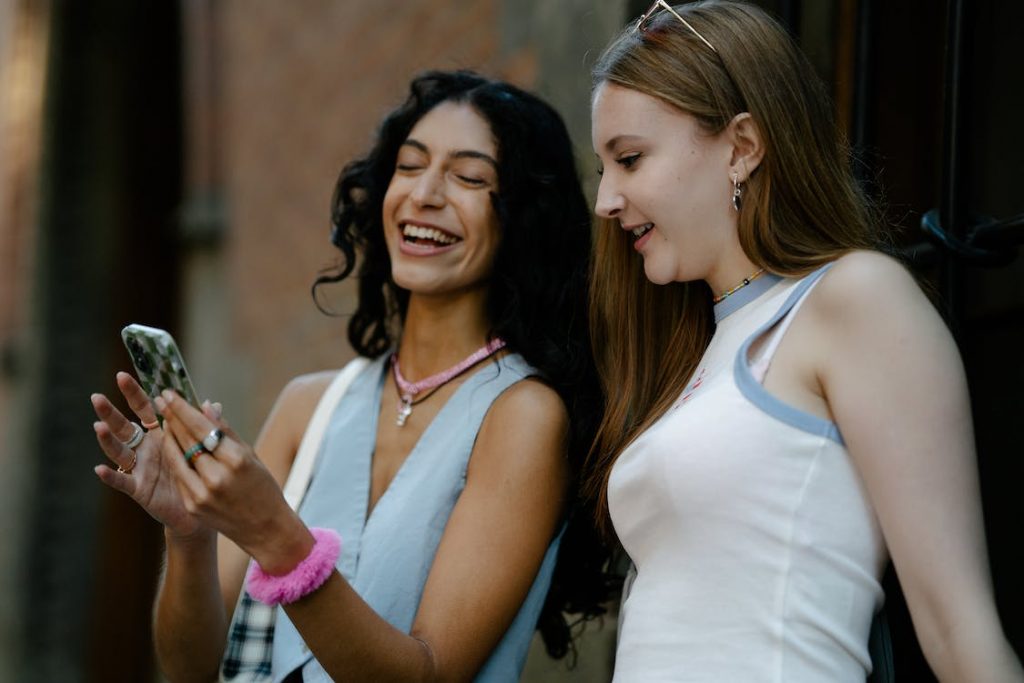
[
  {"x": 755, "y": 392},
  {"x": 743, "y": 296}
]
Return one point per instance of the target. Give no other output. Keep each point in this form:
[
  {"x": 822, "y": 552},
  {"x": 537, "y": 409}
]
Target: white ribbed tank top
[{"x": 757, "y": 556}]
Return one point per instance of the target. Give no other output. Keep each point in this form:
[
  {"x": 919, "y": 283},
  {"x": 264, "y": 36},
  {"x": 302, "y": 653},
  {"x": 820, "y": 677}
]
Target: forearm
[
  {"x": 352, "y": 642},
  {"x": 971, "y": 651},
  {"x": 190, "y": 626}
]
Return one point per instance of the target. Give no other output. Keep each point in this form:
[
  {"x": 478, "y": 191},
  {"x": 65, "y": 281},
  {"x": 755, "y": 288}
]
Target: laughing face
[
  {"x": 439, "y": 222},
  {"x": 665, "y": 181}
]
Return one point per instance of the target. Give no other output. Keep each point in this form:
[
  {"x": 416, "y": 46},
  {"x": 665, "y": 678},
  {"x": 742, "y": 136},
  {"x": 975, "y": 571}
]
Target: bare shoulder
[
  {"x": 866, "y": 278},
  {"x": 530, "y": 401},
  {"x": 282, "y": 432},
  {"x": 528, "y": 418},
  {"x": 304, "y": 392},
  {"x": 868, "y": 289},
  {"x": 869, "y": 313}
]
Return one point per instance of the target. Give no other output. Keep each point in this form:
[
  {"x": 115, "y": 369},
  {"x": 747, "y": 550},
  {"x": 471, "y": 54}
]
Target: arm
[
  {"x": 893, "y": 379},
  {"x": 483, "y": 569},
  {"x": 204, "y": 571}
]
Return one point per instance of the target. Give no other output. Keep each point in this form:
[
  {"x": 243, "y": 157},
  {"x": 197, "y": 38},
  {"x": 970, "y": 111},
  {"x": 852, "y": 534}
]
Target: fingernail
[
  {"x": 160, "y": 404},
  {"x": 168, "y": 395},
  {"x": 218, "y": 409}
]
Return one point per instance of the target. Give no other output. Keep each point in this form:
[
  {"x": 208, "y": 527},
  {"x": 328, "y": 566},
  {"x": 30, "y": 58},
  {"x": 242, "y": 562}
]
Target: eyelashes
[
  {"x": 468, "y": 180},
  {"x": 627, "y": 162}
]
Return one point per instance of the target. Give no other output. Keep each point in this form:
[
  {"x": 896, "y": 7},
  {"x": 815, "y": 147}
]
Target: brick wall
[{"x": 301, "y": 89}]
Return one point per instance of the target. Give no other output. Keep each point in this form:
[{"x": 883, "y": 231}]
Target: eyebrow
[
  {"x": 611, "y": 144},
  {"x": 457, "y": 154}
]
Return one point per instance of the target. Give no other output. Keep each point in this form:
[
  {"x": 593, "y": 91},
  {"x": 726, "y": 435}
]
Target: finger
[
  {"x": 138, "y": 401},
  {"x": 120, "y": 426},
  {"x": 190, "y": 484},
  {"x": 119, "y": 454},
  {"x": 190, "y": 425},
  {"x": 116, "y": 480},
  {"x": 213, "y": 412}
]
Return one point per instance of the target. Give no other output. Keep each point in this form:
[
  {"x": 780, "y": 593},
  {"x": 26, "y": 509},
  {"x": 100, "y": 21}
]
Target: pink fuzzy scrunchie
[{"x": 307, "y": 576}]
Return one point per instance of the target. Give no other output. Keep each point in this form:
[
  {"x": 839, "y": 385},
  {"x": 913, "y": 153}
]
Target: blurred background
[{"x": 171, "y": 163}]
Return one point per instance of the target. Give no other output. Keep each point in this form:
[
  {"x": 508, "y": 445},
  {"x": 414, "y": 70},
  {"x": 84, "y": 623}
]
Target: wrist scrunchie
[{"x": 307, "y": 576}]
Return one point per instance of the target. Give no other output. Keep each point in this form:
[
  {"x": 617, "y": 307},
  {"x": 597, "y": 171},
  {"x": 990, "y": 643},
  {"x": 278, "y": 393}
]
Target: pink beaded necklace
[{"x": 409, "y": 390}]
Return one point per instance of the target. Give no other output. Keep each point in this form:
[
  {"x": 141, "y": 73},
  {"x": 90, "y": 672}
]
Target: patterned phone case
[{"x": 158, "y": 363}]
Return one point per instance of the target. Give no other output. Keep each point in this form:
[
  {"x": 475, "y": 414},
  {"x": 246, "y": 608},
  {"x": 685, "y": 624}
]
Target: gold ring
[
  {"x": 151, "y": 425},
  {"x": 131, "y": 466}
]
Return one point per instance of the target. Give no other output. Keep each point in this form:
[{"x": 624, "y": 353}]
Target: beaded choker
[
  {"x": 746, "y": 281},
  {"x": 409, "y": 390}
]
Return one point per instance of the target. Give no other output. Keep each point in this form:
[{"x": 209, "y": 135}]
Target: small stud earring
[{"x": 737, "y": 192}]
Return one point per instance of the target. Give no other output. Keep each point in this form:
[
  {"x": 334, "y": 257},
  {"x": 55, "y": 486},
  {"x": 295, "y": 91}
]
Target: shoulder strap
[
  {"x": 759, "y": 365},
  {"x": 298, "y": 478}
]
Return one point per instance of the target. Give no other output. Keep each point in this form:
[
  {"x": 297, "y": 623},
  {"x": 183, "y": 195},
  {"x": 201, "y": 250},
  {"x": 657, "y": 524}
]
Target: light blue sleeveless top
[{"x": 386, "y": 558}]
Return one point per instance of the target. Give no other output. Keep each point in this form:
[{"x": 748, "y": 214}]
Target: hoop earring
[{"x": 737, "y": 192}]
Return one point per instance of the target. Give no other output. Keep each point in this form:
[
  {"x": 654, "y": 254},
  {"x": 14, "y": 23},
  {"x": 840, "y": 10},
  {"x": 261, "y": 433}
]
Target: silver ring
[
  {"x": 136, "y": 438},
  {"x": 212, "y": 440}
]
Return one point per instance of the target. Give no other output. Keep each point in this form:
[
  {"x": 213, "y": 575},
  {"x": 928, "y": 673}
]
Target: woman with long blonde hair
[{"x": 786, "y": 411}]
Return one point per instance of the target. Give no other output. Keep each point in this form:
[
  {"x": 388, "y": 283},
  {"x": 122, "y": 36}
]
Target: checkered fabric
[{"x": 250, "y": 641}]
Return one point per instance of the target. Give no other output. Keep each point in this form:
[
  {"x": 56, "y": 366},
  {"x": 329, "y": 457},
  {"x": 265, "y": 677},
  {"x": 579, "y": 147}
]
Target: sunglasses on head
[{"x": 662, "y": 5}]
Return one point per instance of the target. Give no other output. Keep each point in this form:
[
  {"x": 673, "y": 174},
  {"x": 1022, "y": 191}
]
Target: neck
[
  {"x": 729, "y": 272},
  {"x": 438, "y": 332}
]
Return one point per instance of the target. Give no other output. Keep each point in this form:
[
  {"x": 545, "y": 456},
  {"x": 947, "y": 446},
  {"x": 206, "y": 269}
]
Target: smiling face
[
  {"x": 439, "y": 222},
  {"x": 665, "y": 181}
]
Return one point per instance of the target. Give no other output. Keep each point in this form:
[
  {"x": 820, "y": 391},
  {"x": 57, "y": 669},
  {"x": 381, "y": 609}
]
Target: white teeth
[
  {"x": 432, "y": 234},
  {"x": 640, "y": 231}
]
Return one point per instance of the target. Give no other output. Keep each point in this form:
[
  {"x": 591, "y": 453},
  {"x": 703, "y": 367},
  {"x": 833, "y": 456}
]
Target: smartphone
[{"x": 158, "y": 363}]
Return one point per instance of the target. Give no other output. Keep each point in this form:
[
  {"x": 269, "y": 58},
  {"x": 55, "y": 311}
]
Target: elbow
[{"x": 428, "y": 667}]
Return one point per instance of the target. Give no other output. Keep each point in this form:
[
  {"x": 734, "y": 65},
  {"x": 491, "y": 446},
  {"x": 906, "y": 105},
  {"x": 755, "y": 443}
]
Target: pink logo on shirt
[{"x": 694, "y": 385}]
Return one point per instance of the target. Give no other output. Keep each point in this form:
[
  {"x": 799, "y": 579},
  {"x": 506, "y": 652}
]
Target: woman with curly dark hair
[{"x": 449, "y": 462}]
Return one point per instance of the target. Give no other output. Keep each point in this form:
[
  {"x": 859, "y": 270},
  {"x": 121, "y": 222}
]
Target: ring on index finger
[
  {"x": 137, "y": 436},
  {"x": 212, "y": 440}
]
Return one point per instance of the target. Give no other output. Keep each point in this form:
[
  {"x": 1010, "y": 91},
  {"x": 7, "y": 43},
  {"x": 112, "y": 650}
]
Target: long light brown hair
[{"x": 801, "y": 207}]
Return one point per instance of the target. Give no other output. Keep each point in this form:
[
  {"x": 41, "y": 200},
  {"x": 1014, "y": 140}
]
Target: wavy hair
[
  {"x": 801, "y": 207},
  {"x": 537, "y": 292}
]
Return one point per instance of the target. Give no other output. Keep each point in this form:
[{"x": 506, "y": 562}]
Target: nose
[
  {"x": 429, "y": 189},
  {"x": 610, "y": 201}
]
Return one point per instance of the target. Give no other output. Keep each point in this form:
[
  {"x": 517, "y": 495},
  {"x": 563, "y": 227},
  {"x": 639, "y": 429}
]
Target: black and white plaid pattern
[{"x": 250, "y": 642}]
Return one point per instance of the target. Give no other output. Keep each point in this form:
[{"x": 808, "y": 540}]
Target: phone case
[{"x": 158, "y": 363}]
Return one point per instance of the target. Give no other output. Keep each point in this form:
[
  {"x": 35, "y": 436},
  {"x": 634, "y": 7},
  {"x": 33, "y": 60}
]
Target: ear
[{"x": 747, "y": 146}]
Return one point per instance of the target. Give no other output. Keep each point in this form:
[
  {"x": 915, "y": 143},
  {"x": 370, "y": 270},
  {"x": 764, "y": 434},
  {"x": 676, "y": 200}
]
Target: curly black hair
[{"x": 537, "y": 292}]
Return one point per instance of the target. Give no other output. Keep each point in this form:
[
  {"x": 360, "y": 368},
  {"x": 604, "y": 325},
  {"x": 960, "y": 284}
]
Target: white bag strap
[{"x": 302, "y": 469}]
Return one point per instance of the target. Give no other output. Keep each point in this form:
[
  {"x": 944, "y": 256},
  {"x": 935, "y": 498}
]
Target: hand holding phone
[{"x": 158, "y": 362}]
